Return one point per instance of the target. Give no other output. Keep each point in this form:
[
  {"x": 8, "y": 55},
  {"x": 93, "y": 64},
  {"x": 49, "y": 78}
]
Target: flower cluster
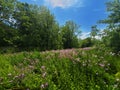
[{"x": 44, "y": 74}]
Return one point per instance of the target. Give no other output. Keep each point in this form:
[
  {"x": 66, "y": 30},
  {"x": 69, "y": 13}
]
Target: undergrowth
[{"x": 62, "y": 70}]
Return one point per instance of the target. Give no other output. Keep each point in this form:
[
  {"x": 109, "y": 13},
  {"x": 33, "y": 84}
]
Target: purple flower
[
  {"x": 22, "y": 75},
  {"x": 31, "y": 67},
  {"x": 43, "y": 67},
  {"x": 101, "y": 64},
  {"x": 44, "y": 74},
  {"x": 44, "y": 85}
]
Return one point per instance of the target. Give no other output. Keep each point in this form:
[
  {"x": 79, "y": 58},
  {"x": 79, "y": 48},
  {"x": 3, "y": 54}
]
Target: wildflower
[
  {"x": 22, "y": 75},
  {"x": 102, "y": 65},
  {"x": 9, "y": 75},
  {"x": 25, "y": 58},
  {"x": 95, "y": 56},
  {"x": 44, "y": 85},
  {"x": 96, "y": 63},
  {"x": 97, "y": 73},
  {"x": 89, "y": 61},
  {"x": 106, "y": 69},
  {"x": 111, "y": 53},
  {"x": 104, "y": 82},
  {"x": 108, "y": 64},
  {"x": 115, "y": 86},
  {"x": 44, "y": 74},
  {"x": 31, "y": 67},
  {"x": 36, "y": 60},
  {"x": 117, "y": 79},
  {"x": 32, "y": 63},
  {"x": 77, "y": 59},
  {"x": 43, "y": 67},
  {"x": 16, "y": 77},
  {"x": 84, "y": 64},
  {"x": 11, "y": 81}
]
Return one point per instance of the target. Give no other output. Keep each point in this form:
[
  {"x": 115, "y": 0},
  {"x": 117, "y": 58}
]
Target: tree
[
  {"x": 86, "y": 42},
  {"x": 37, "y": 27},
  {"x": 112, "y": 36},
  {"x": 94, "y": 31},
  {"x": 8, "y": 35},
  {"x": 69, "y": 32},
  {"x": 7, "y": 10},
  {"x": 34, "y": 27},
  {"x": 113, "y": 20}
]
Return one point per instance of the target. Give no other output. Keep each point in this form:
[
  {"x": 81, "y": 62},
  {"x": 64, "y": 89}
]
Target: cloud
[
  {"x": 64, "y": 3},
  {"x": 84, "y": 35}
]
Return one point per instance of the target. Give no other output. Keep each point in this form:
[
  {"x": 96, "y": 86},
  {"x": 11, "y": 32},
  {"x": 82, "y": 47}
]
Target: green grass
[{"x": 63, "y": 70}]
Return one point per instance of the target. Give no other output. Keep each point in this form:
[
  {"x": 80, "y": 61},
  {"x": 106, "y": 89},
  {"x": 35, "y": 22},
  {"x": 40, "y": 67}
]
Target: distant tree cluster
[{"x": 29, "y": 27}]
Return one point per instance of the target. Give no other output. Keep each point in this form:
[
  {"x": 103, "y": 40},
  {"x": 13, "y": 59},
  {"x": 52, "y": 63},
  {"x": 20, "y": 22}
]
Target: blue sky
[{"x": 83, "y": 12}]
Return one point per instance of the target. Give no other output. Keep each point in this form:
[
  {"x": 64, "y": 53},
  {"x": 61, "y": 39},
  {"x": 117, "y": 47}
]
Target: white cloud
[
  {"x": 64, "y": 3},
  {"x": 87, "y": 34},
  {"x": 84, "y": 35}
]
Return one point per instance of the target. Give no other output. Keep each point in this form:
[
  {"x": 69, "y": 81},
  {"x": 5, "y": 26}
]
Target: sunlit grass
[{"x": 60, "y": 70}]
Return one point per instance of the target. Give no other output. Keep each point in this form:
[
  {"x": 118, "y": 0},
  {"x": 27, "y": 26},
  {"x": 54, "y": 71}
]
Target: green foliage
[
  {"x": 79, "y": 69},
  {"x": 69, "y": 37},
  {"x": 86, "y": 42},
  {"x": 8, "y": 35},
  {"x": 111, "y": 36},
  {"x": 6, "y": 10},
  {"x": 33, "y": 28},
  {"x": 113, "y": 7}
]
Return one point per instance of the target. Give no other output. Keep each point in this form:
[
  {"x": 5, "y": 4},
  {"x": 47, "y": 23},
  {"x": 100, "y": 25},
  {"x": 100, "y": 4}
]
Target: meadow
[{"x": 69, "y": 69}]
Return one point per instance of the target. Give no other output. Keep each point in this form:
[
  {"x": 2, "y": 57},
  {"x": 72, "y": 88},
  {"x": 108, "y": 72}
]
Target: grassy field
[{"x": 71, "y": 69}]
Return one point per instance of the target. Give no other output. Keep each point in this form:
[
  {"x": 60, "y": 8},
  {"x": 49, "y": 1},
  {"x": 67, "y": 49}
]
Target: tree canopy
[
  {"x": 29, "y": 27},
  {"x": 111, "y": 36}
]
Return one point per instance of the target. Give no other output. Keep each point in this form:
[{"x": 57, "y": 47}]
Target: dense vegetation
[
  {"x": 34, "y": 27},
  {"x": 72, "y": 69},
  {"x": 28, "y": 29}
]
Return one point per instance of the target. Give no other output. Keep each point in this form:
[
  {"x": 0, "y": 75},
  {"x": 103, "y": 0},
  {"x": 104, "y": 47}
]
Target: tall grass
[{"x": 60, "y": 70}]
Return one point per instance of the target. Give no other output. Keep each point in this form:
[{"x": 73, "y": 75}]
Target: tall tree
[
  {"x": 70, "y": 31},
  {"x": 37, "y": 27},
  {"x": 112, "y": 36}
]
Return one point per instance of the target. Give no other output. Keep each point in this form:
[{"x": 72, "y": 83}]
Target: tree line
[{"x": 26, "y": 26}]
